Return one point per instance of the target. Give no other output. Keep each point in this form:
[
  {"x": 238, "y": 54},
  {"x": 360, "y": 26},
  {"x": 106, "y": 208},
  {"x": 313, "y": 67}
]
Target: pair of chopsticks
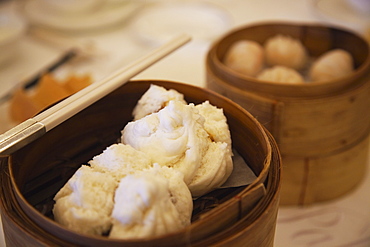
[{"x": 37, "y": 126}]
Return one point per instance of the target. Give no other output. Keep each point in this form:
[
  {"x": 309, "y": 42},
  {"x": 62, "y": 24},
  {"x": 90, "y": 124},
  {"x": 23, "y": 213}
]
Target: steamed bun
[
  {"x": 280, "y": 74},
  {"x": 331, "y": 65},
  {"x": 246, "y": 57},
  {"x": 285, "y": 51},
  {"x": 85, "y": 202},
  {"x": 151, "y": 203}
]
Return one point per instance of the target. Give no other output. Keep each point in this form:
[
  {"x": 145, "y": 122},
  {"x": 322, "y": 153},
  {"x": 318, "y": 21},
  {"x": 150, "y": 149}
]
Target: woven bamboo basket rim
[
  {"x": 361, "y": 84},
  {"x": 215, "y": 99},
  {"x": 311, "y": 89}
]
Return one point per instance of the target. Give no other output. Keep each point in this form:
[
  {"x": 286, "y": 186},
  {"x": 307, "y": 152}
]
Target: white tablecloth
[{"x": 343, "y": 222}]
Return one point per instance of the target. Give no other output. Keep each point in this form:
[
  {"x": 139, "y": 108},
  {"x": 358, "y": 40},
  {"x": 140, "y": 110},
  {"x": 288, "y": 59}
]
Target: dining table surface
[{"x": 134, "y": 28}]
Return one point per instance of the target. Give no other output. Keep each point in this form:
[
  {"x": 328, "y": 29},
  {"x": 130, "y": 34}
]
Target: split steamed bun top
[
  {"x": 154, "y": 99},
  {"x": 215, "y": 123},
  {"x": 151, "y": 203},
  {"x": 85, "y": 202},
  {"x": 172, "y": 137}
]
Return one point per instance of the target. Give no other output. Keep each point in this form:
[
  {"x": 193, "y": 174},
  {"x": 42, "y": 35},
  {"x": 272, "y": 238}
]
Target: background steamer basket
[
  {"x": 31, "y": 176},
  {"x": 318, "y": 123}
]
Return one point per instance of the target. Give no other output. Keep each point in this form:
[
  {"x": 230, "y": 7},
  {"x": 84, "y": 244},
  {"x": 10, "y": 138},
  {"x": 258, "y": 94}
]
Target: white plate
[
  {"x": 107, "y": 15},
  {"x": 157, "y": 23},
  {"x": 12, "y": 29},
  {"x": 343, "y": 12}
]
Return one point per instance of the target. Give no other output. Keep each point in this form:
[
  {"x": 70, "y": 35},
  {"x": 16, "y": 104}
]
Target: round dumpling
[
  {"x": 285, "y": 51},
  {"x": 280, "y": 74},
  {"x": 246, "y": 57},
  {"x": 332, "y": 64}
]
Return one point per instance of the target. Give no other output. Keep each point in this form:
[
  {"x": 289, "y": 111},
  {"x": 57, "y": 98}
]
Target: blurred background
[{"x": 82, "y": 41}]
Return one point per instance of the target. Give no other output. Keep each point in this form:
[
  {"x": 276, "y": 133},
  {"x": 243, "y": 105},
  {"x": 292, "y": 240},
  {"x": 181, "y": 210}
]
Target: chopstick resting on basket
[{"x": 37, "y": 126}]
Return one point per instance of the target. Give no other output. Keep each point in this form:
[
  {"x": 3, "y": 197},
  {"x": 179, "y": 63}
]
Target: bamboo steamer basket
[
  {"x": 31, "y": 176},
  {"x": 318, "y": 126}
]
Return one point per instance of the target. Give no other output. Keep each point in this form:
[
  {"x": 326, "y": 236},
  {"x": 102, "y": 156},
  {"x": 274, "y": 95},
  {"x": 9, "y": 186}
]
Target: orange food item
[
  {"x": 49, "y": 90},
  {"x": 21, "y": 106},
  {"x": 74, "y": 84}
]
